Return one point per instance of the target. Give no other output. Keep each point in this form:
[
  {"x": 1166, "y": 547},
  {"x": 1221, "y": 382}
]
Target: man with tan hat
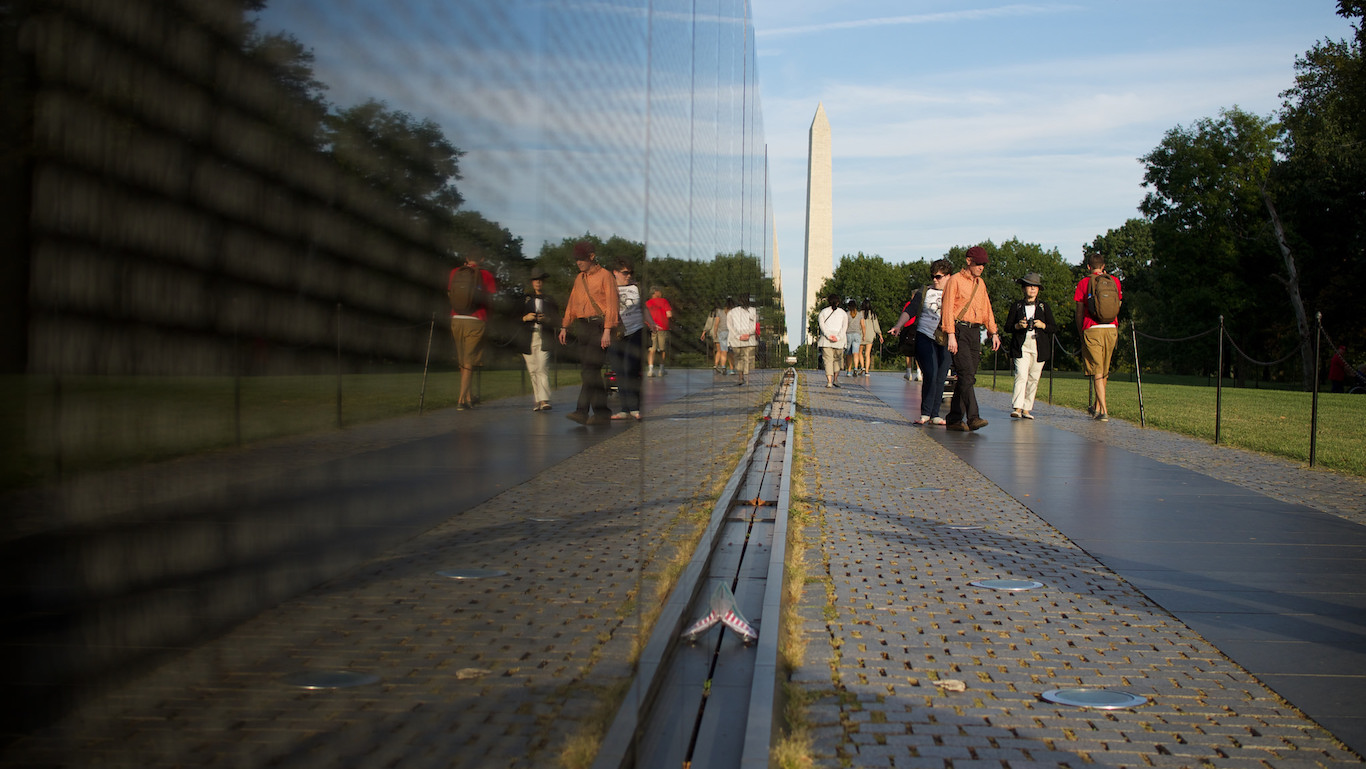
[{"x": 966, "y": 310}]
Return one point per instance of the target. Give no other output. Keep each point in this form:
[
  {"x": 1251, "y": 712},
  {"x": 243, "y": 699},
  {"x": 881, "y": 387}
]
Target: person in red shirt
[
  {"x": 1337, "y": 370},
  {"x": 1097, "y": 338},
  {"x": 467, "y": 326},
  {"x": 660, "y": 312}
]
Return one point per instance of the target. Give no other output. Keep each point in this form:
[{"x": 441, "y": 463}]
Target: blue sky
[{"x": 953, "y": 122}]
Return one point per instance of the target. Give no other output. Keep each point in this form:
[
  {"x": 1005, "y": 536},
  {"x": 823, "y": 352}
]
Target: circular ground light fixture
[
  {"x": 1101, "y": 699},
  {"x": 966, "y": 527},
  {"x": 1007, "y": 584},
  {"x": 544, "y": 520},
  {"x": 471, "y": 573},
  {"x": 330, "y": 679}
]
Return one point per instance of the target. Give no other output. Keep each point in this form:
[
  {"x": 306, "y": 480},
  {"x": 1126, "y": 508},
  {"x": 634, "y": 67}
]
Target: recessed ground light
[
  {"x": 1103, "y": 699},
  {"x": 471, "y": 573},
  {"x": 1007, "y": 584},
  {"x": 966, "y": 527},
  {"x": 329, "y": 679}
]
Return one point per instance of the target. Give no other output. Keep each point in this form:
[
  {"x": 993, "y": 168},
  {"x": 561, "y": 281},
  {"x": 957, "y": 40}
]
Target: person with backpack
[
  {"x": 469, "y": 288},
  {"x": 1098, "y": 297}
]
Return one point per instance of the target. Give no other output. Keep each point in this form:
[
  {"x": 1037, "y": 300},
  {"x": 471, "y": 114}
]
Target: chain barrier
[
  {"x": 1181, "y": 339},
  {"x": 1250, "y": 359}
]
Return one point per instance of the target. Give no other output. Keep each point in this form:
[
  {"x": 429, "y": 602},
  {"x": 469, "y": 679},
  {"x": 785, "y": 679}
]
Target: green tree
[
  {"x": 407, "y": 159},
  {"x": 1321, "y": 181},
  {"x": 1218, "y": 242}
]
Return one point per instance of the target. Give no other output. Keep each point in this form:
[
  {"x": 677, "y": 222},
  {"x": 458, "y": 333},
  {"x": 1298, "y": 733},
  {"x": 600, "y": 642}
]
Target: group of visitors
[
  {"x": 604, "y": 319},
  {"x": 945, "y": 324},
  {"x": 943, "y": 327}
]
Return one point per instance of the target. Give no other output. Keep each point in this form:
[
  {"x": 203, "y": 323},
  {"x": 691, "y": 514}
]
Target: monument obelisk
[{"x": 820, "y": 237}]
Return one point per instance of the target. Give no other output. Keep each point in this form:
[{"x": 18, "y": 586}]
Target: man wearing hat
[
  {"x": 1031, "y": 327},
  {"x": 592, "y": 315},
  {"x": 965, "y": 312},
  {"x": 539, "y": 314}
]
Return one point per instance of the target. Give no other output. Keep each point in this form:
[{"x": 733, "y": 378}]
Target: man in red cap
[{"x": 965, "y": 311}]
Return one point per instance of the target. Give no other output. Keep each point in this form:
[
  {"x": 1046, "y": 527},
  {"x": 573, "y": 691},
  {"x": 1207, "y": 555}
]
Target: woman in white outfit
[{"x": 1031, "y": 327}]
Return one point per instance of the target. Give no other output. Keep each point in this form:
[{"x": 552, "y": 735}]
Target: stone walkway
[{"x": 908, "y": 665}]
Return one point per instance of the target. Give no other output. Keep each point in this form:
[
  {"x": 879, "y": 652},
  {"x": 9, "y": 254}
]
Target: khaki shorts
[
  {"x": 468, "y": 333},
  {"x": 1097, "y": 345},
  {"x": 659, "y": 340}
]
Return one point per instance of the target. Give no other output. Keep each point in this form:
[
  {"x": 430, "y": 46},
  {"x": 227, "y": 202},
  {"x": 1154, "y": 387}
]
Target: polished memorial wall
[
  {"x": 208, "y": 184},
  {"x": 231, "y": 221}
]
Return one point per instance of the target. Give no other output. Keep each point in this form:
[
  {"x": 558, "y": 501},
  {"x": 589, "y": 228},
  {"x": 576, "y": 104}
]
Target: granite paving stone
[{"x": 901, "y": 611}]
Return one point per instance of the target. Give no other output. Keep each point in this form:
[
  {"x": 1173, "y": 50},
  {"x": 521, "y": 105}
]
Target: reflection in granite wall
[
  {"x": 203, "y": 177},
  {"x": 236, "y": 187}
]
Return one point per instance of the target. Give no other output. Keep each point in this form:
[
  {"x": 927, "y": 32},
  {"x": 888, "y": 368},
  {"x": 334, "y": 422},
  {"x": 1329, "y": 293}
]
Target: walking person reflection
[
  {"x": 743, "y": 323},
  {"x": 626, "y": 349},
  {"x": 539, "y": 313},
  {"x": 591, "y": 314}
]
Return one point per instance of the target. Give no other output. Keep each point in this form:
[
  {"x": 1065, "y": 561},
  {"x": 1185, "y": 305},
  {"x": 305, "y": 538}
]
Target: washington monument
[{"x": 820, "y": 239}]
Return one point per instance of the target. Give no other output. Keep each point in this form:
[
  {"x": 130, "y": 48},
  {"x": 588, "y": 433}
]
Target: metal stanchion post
[
  {"x": 1052, "y": 364},
  {"x": 339, "y": 365},
  {"x": 1219, "y": 385},
  {"x": 1314, "y": 409},
  {"x": 1138, "y": 375},
  {"x": 422, "y": 396}
]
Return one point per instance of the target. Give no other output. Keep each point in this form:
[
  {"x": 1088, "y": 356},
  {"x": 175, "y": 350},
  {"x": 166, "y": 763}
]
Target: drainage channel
[{"x": 705, "y": 692}]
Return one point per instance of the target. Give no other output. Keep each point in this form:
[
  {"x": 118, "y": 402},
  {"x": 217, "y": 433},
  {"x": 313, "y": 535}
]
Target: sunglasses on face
[{"x": 937, "y": 277}]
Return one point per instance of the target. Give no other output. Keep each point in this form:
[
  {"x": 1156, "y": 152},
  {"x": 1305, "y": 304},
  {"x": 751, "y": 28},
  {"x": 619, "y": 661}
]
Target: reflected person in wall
[
  {"x": 626, "y": 349},
  {"x": 591, "y": 316},
  {"x": 539, "y": 315},
  {"x": 469, "y": 288},
  {"x": 743, "y": 323}
]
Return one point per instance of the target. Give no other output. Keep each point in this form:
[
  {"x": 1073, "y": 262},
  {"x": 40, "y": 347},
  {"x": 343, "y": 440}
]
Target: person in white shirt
[
  {"x": 743, "y": 324},
  {"x": 833, "y": 324}
]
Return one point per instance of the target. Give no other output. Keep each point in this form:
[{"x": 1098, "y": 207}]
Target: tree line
[{"x": 1258, "y": 220}]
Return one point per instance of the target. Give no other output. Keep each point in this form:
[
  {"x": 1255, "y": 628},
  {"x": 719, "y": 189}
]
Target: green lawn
[
  {"x": 74, "y": 424},
  {"x": 1270, "y": 421}
]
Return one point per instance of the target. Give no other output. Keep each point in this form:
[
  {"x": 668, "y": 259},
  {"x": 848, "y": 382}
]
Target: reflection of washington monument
[{"x": 820, "y": 240}]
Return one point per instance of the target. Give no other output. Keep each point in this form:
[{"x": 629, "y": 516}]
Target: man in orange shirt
[
  {"x": 591, "y": 314},
  {"x": 965, "y": 311}
]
